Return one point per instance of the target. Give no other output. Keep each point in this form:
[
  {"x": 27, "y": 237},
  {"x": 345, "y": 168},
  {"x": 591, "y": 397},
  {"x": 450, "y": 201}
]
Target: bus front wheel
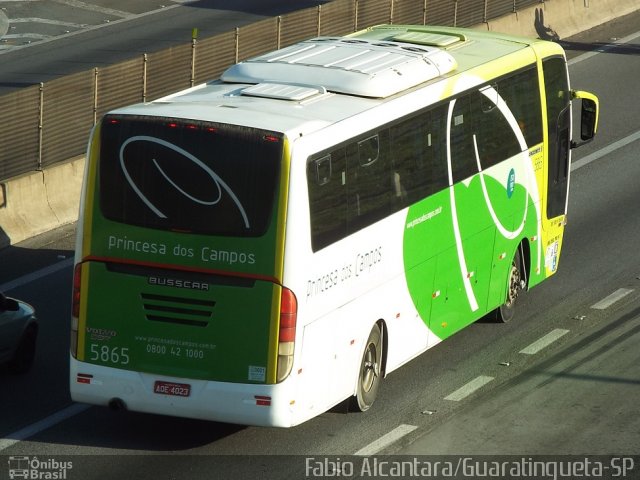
[{"x": 370, "y": 373}]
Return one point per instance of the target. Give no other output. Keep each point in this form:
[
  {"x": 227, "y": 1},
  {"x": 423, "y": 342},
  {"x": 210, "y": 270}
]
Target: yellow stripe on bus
[
  {"x": 89, "y": 194},
  {"x": 272, "y": 361},
  {"x": 82, "y": 321}
]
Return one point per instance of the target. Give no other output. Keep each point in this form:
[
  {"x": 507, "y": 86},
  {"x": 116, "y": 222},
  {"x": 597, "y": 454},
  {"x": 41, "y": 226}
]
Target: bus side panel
[
  {"x": 332, "y": 346},
  {"x": 344, "y": 290},
  {"x": 473, "y": 229}
]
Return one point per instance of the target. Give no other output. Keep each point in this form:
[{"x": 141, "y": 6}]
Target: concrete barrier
[
  {"x": 44, "y": 200},
  {"x": 558, "y": 19},
  {"x": 4, "y": 24},
  {"x": 40, "y": 201}
]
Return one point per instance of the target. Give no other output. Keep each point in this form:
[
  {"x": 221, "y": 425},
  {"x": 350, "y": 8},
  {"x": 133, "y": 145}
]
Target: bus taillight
[
  {"x": 77, "y": 278},
  {"x": 75, "y": 308},
  {"x": 286, "y": 333}
]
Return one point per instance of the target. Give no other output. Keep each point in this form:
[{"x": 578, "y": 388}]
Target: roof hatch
[
  {"x": 347, "y": 65},
  {"x": 283, "y": 91},
  {"x": 434, "y": 39}
]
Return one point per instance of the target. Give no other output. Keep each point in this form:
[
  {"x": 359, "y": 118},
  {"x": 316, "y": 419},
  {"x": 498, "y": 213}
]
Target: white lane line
[
  {"x": 469, "y": 388},
  {"x": 36, "y": 36},
  {"x": 386, "y": 440},
  {"x": 94, "y": 8},
  {"x": 544, "y": 342},
  {"x": 623, "y": 142},
  {"x": 603, "y": 49},
  {"x": 611, "y": 299},
  {"x": 37, "y": 275},
  {"x": 130, "y": 16},
  {"x": 50, "y": 421},
  {"x": 48, "y": 21}
]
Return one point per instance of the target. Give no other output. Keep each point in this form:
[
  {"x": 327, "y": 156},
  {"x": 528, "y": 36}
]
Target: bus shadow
[
  {"x": 31, "y": 255},
  {"x": 545, "y": 32},
  {"x": 5, "y": 241},
  {"x": 601, "y": 47},
  {"x": 133, "y": 432}
]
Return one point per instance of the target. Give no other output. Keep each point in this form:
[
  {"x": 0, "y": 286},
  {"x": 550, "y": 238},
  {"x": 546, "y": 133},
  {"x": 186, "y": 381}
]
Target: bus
[{"x": 263, "y": 247}]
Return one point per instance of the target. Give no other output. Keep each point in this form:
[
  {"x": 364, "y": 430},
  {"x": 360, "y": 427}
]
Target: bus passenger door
[
  {"x": 558, "y": 109},
  {"x": 559, "y": 134}
]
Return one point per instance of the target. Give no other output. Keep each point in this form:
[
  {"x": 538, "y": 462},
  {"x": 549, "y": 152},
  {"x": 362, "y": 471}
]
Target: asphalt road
[
  {"x": 47, "y": 39},
  {"x": 561, "y": 379}
]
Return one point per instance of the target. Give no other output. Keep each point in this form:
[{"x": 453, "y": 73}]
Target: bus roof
[{"x": 301, "y": 88}]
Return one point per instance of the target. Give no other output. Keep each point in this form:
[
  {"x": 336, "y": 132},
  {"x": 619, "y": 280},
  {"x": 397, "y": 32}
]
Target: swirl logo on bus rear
[{"x": 190, "y": 183}]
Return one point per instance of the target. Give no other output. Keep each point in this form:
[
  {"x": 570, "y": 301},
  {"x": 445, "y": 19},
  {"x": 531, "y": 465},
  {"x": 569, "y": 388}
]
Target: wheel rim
[
  {"x": 369, "y": 367},
  {"x": 514, "y": 285}
]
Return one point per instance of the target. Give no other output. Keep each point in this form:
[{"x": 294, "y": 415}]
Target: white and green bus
[{"x": 263, "y": 247}]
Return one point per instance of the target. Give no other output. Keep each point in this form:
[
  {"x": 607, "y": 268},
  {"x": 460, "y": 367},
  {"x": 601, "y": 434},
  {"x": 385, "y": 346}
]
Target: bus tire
[
  {"x": 25, "y": 353},
  {"x": 507, "y": 310},
  {"x": 370, "y": 372}
]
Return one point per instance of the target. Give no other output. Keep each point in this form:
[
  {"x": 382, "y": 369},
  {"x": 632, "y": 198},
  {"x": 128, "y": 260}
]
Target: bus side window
[
  {"x": 436, "y": 168},
  {"x": 463, "y": 128},
  {"x": 521, "y": 93},
  {"x": 368, "y": 181},
  {"x": 326, "y": 179},
  {"x": 495, "y": 138},
  {"x": 417, "y": 145},
  {"x": 408, "y": 144}
]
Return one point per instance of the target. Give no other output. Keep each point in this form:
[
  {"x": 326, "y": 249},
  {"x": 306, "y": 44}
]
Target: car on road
[{"x": 18, "y": 334}]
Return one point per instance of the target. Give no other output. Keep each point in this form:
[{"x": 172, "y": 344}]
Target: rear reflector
[
  {"x": 84, "y": 378},
  {"x": 263, "y": 400}
]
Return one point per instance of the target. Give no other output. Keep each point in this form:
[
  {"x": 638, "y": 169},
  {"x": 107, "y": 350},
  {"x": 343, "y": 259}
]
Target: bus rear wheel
[
  {"x": 515, "y": 284},
  {"x": 370, "y": 374}
]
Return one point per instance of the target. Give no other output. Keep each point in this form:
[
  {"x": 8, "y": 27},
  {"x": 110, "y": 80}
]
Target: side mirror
[{"x": 588, "y": 117}]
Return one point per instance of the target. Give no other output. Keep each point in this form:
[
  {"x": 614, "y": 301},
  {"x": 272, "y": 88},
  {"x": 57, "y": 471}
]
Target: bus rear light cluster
[
  {"x": 286, "y": 333},
  {"x": 77, "y": 279}
]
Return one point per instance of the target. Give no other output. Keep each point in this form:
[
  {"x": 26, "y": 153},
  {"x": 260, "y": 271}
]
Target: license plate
[{"x": 169, "y": 388}]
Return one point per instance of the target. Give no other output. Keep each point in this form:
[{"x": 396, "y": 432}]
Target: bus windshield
[{"x": 188, "y": 176}]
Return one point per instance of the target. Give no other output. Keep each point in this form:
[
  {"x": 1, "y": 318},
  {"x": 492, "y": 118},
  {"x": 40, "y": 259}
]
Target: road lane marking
[
  {"x": 94, "y": 8},
  {"x": 623, "y": 142},
  {"x": 603, "y": 49},
  {"x": 544, "y": 342},
  {"x": 129, "y": 17},
  {"x": 611, "y": 299},
  {"x": 386, "y": 440},
  {"x": 48, "y": 422},
  {"x": 19, "y": 36},
  {"x": 469, "y": 388},
  {"x": 48, "y": 21},
  {"x": 37, "y": 275}
]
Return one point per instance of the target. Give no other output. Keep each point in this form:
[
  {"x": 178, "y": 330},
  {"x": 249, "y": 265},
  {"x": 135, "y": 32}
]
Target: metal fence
[{"x": 50, "y": 122}]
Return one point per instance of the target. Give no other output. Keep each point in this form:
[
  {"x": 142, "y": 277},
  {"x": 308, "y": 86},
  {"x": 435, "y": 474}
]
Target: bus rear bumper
[{"x": 246, "y": 404}]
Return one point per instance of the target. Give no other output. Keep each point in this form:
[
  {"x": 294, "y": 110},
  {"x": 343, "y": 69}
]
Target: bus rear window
[{"x": 192, "y": 176}]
